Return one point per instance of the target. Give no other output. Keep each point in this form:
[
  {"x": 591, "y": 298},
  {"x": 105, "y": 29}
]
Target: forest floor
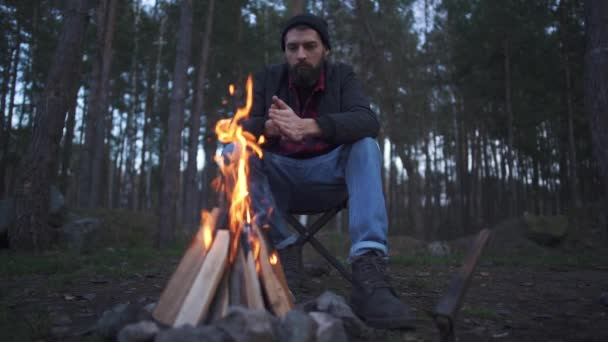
[{"x": 550, "y": 296}]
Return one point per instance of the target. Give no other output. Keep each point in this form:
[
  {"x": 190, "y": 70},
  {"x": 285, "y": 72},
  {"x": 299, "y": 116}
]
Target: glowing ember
[
  {"x": 273, "y": 258},
  {"x": 231, "y": 89}
]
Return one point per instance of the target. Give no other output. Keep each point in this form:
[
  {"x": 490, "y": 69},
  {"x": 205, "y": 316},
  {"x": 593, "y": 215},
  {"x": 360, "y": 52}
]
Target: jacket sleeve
[
  {"x": 257, "y": 117},
  {"x": 355, "y": 120}
]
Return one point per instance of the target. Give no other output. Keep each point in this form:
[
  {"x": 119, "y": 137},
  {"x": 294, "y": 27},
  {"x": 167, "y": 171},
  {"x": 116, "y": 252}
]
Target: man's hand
[
  {"x": 271, "y": 129},
  {"x": 289, "y": 123}
]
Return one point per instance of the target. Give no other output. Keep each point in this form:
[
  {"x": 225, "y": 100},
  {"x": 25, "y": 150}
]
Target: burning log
[
  {"x": 196, "y": 303},
  {"x": 181, "y": 281},
  {"x": 277, "y": 292}
]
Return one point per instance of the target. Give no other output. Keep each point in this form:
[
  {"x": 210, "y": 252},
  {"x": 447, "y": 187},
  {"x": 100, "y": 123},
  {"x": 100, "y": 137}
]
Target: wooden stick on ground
[{"x": 179, "y": 284}]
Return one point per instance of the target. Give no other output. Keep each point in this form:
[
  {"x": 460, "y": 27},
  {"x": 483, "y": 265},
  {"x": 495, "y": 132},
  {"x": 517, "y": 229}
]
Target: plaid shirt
[{"x": 309, "y": 147}]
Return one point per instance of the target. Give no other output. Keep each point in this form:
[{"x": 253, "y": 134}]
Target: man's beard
[{"x": 304, "y": 74}]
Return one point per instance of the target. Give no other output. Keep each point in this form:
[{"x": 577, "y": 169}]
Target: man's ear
[{"x": 326, "y": 53}]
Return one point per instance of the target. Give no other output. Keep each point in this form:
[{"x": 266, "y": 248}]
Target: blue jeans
[{"x": 279, "y": 185}]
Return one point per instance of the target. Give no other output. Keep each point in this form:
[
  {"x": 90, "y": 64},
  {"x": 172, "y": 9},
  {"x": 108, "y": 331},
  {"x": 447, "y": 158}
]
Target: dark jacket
[{"x": 344, "y": 112}]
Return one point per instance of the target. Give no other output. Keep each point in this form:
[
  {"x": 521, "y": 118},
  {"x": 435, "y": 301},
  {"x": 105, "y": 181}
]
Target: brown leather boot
[{"x": 374, "y": 299}]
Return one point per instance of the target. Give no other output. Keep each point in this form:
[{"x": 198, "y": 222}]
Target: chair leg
[{"x": 306, "y": 236}]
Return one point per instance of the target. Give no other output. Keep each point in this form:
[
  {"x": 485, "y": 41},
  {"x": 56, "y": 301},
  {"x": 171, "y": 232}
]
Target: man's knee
[{"x": 367, "y": 145}]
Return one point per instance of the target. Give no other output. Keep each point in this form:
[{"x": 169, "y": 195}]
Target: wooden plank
[
  {"x": 277, "y": 292},
  {"x": 237, "y": 277},
  {"x": 219, "y": 305},
  {"x": 251, "y": 285},
  {"x": 179, "y": 284},
  {"x": 196, "y": 304}
]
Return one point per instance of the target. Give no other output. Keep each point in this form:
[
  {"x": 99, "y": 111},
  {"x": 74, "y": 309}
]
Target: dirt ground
[{"x": 504, "y": 303}]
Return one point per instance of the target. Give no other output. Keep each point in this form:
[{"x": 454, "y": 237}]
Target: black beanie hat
[{"x": 312, "y": 21}]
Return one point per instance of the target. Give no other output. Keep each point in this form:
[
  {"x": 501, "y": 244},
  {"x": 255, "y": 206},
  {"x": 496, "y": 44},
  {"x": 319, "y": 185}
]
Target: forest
[
  {"x": 488, "y": 109},
  {"x": 494, "y": 127}
]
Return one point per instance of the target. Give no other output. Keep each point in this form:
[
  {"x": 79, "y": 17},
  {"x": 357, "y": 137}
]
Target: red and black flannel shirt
[{"x": 310, "y": 147}]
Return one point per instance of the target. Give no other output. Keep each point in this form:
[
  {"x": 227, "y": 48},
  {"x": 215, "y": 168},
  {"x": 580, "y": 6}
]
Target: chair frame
[{"x": 307, "y": 236}]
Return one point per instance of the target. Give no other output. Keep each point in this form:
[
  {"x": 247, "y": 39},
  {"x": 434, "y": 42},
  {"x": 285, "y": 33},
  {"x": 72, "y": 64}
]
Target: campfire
[{"x": 230, "y": 261}]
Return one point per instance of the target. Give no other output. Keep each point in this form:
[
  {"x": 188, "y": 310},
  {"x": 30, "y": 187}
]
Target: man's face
[{"x": 305, "y": 53}]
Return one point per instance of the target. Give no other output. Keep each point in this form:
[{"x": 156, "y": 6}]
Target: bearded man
[{"x": 321, "y": 149}]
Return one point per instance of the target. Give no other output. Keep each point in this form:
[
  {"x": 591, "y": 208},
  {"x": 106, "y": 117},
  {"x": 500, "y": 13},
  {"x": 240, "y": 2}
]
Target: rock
[
  {"x": 150, "y": 307},
  {"x": 336, "y": 306},
  {"x": 300, "y": 326},
  {"x": 60, "y": 331},
  {"x": 439, "y": 248},
  {"x": 316, "y": 270},
  {"x": 546, "y": 230},
  {"x": 113, "y": 320},
  {"x": 136, "y": 332},
  {"x": 189, "y": 333},
  {"x": 81, "y": 234},
  {"x": 604, "y": 298},
  {"x": 329, "y": 328},
  {"x": 243, "y": 324},
  {"x": 60, "y": 319}
]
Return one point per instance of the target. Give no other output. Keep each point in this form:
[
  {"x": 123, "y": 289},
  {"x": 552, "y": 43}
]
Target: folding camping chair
[{"x": 307, "y": 234}]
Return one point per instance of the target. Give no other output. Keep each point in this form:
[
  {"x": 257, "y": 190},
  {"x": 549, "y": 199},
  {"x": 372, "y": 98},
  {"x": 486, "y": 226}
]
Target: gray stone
[
  {"x": 336, "y": 306},
  {"x": 604, "y": 298},
  {"x": 439, "y": 248},
  {"x": 300, "y": 327},
  {"x": 189, "y": 333},
  {"x": 243, "y": 324},
  {"x": 138, "y": 332},
  {"x": 150, "y": 307},
  {"x": 60, "y": 319},
  {"x": 316, "y": 269},
  {"x": 546, "y": 230},
  {"x": 81, "y": 235},
  {"x": 60, "y": 331},
  {"x": 329, "y": 328},
  {"x": 113, "y": 320}
]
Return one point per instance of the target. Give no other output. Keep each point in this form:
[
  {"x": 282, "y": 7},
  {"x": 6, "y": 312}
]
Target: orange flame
[
  {"x": 205, "y": 233},
  {"x": 273, "y": 258},
  {"x": 231, "y": 89},
  {"x": 236, "y": 170}
]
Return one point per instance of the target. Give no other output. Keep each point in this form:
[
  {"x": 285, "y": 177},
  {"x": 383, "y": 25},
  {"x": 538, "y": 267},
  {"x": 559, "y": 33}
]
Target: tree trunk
[
  {"x": 127, "y": 192},
  {"x": 31, "y": 231},
  {"x": 511, "y": 194},
  {"x": 191, "y": 204},
  {"x": 596, "y": 82},
  {"x": 6, "y": 136},
  {"x": 66, "y": 155},
  {"x": 297, "y": 7},
  {"x": 141, "y": 192},
  {"x": 91, "y": 167},
  {"x": 165, "y": 234}
]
